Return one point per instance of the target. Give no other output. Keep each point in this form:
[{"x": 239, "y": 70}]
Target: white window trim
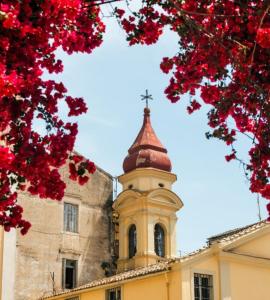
[{"x": 204, "y": 272}]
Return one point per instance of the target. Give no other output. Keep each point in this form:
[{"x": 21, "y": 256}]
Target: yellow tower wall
[{"x": 146, "y": 200}]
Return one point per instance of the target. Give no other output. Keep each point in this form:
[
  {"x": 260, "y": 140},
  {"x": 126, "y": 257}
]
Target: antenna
[{"x": 53, "y": 282}]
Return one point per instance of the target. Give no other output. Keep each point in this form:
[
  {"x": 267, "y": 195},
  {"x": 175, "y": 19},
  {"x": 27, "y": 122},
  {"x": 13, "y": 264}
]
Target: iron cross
[{"x": 146, "y": 97}]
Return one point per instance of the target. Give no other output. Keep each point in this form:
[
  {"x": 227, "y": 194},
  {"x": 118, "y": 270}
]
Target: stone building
[
  {"x": 234, "y": 265},
  {"x": 67, "y": 244},
  {"x": 61, "y": 258}
]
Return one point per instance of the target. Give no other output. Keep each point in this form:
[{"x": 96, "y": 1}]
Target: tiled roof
[
  {"x": 193, "y": 253},
  {"x": 155, "y": 268},
  {"x": 227, "y": 236},
  {"x": 233, "y": 234}
]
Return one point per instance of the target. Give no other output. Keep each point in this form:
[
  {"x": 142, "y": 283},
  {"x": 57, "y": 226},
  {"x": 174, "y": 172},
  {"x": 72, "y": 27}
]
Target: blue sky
[{"x": 215, "y": 193}]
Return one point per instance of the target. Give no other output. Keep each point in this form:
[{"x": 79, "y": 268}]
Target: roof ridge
[
  {"x": 164, "y": 264},
  {"x": 230, "y": 234},
  {"x": 141, "y": 271}
]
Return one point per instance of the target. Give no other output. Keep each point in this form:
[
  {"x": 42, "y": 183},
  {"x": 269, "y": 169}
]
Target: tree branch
[
  {"x": 206, "y": 14},
  {"x": 99, "y": 3},
  {"x": 260, "y": 25}
]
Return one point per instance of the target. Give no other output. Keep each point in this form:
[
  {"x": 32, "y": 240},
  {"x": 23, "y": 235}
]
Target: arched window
[
  {"x": 159, "y": 240},
  {"x": 132, "y": 241}
]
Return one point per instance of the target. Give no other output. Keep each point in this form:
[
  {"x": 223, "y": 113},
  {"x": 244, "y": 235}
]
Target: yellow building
[{"x": 234, "y": 265}]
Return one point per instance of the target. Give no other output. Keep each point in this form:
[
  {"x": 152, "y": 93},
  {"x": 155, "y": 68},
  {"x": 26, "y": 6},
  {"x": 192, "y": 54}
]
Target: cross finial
[{"x": 146, "y": 97}]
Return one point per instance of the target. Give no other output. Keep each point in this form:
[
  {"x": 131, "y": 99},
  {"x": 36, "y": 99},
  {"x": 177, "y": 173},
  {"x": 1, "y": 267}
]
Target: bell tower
[{"x": 147, "y": 206}]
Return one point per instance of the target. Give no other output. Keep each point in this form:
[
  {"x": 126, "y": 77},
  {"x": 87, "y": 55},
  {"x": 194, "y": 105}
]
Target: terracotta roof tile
[
  {"x": 155, "y": 268},
  {"x": 194, "y": 253},
  {"x": 233, "y": 234},
  {"x": 227, "y": 236}
]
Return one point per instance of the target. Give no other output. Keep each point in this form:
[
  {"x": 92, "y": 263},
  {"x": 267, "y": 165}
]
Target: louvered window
[
  {"x": 73, "y": 298},
  {"x": 70, "y": 217},
  {"x": 203, "y": 287}
]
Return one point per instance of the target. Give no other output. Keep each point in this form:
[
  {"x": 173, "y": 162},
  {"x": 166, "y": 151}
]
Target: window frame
[
  {"x": 164, "y": 240},
  {"x": 117, "y": 289},
  {"x": 212, "y": 287},
  {"x": 131, "y": 254},
  {"x": 75, "y": 276},
  {"x": 66, "y": 228}
]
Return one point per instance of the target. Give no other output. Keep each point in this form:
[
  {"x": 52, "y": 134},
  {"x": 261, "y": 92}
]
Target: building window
[
  {"x": 69, "y": 273},
  {"x": 73, "y": 298},
  {"x": 70, "y": 217},
  {"x": 113, "y": 294},
  {"x": 159, "y": 240},
  {"x": 132, "y": 241},
  {"x": 203, "y": 287}
]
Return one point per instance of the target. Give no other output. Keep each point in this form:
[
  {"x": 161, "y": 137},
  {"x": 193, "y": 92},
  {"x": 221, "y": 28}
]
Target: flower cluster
[
  {"x": 31, "y": 31},
  {"x": 223, "y": 61},
  {"x": 80, "y": 168},
  {"x": 263, "y": 37}
]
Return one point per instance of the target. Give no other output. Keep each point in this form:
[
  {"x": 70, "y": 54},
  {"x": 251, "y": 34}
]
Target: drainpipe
[{"x": 167, "y": 286}]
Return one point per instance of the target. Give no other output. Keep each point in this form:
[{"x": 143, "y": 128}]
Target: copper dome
[{"x": 147, "y": 151}]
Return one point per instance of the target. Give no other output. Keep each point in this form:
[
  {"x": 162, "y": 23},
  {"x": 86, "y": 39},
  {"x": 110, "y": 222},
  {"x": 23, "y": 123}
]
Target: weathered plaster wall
[
  {"x": 9, "y": 265},
  {"x": 39, "y": 254}
]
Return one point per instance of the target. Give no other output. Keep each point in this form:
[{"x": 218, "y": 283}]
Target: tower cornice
[{"x": 147, "y": 172}]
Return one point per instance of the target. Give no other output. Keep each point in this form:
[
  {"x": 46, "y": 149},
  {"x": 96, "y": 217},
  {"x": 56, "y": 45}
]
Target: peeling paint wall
[{"x": 39, "y": 254}]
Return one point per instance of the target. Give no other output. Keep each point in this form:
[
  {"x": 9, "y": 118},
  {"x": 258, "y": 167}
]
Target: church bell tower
[{"x": 147, "y": 206}]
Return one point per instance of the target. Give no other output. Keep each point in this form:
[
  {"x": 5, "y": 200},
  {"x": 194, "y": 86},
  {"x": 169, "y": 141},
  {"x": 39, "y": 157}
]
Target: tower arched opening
[
  {"x": 159, "y": 236},
  {"x": 132, "y": 241}
]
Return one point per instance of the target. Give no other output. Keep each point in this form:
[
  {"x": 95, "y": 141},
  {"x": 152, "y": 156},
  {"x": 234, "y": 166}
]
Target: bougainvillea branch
[
  {"x": 31, "y": 31},
  {"x": 223, "y": 62}
]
